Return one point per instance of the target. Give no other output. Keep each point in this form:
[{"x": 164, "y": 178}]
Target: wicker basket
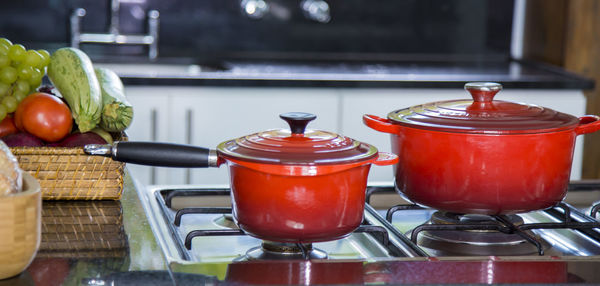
[
  {"x": 70, "y": 174},
  {"x": 19, "y": 228},
  {"x": 82, "y": 229}
]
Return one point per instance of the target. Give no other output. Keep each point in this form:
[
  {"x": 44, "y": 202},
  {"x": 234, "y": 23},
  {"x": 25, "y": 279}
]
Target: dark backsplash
[{"x": 207, "y": 29}]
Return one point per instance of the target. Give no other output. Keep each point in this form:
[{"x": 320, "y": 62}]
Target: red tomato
[
  {"x": 7, "y": 126},
  {"x": 45, "y": 116}
]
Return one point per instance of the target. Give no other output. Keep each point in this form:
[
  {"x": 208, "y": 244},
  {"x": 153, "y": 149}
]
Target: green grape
[
  {"x": 22, "y": 85},
  {"x": 33, "y": 58},
  {"x": 17, "y": 53},
  {"x": 45, "y": 57},
  {"x": 24, "y": 71},
  {"x": 4, "y": 50},
  {"x": 4, "y": 61},
  {"x": 4, "y": 88},
  {"x": 5, "y": 42},
  {"x": 19, "y": 95},
  {"x": 5, "y": 45},
  {"x": 8, "y": 75},
  {"x": 10, "y": 102},
  {"x": 3, "y": 112},
  {"x": 36, "y": 77}
]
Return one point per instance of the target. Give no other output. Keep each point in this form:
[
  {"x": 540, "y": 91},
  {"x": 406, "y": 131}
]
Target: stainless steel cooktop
[{"x": 198, "y": 234}]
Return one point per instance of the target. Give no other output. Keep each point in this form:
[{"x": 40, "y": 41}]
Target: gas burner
[
  {"x": 440, "y": 217},
  {"x": 226, "y": 221},
  {"x": 270, "y": 250},
  {"x": 474, "y": 235}
]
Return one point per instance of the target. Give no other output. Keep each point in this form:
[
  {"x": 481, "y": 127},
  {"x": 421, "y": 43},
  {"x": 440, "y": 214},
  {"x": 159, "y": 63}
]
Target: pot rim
[
  {"x": 297, "y": 170},
  {"x": 461, "y": 130}
]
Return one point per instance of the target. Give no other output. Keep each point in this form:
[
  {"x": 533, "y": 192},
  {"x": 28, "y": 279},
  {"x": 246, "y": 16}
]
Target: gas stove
[{"x": 403, "y": 243}]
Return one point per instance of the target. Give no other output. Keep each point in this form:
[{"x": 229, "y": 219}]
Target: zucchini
[
  {"x": 71, "y": 72},
  {"x": 117, "y": 112}
]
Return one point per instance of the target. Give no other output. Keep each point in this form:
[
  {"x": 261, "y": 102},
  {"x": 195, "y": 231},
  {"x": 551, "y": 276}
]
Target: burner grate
[
  {"x": 503, "y": 224},
  {"x": 207, "y": 210}
]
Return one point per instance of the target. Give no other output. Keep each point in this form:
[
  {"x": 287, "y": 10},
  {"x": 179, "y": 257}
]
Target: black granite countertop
[{"x": 512, "y": 74}]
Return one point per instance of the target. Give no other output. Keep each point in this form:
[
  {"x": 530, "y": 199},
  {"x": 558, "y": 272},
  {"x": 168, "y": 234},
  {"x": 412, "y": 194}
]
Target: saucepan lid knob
[{"x": 298, "y": 121}]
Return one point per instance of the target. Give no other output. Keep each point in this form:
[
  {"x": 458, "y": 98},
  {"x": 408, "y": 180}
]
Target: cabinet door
[
  {"x": 150, "y": 115},
  {"x": 208, "y": 116},
  {"x": 356, "y": 102}
]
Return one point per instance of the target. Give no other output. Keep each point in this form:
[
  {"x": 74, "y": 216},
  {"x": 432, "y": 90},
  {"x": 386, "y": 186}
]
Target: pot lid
[
  {"x": 297, "y": 145},
  {"x": 483, "y": 114}
]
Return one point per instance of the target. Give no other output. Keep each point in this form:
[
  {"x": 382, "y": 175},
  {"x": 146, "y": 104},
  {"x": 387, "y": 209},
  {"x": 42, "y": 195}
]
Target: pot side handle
[
  {"x": 380, "y": 124},
  {"x": 588, "y": 124},
  {"x": 385, "y": 159}
]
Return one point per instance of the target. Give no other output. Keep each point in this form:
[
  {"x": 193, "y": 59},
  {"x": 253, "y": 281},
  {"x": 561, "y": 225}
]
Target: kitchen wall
[{"x": 209, "y": 29}]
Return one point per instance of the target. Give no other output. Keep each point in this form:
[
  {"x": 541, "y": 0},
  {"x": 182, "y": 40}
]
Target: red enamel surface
[
  {"x": 472, "y": 272},
  {"x": 397, "y": 272},
  {"x": 295, "y": 273},
  {"x": 298, "y": 208},
  {"x": 483, "y": 173},
  {"x": 487, "y": 174}
]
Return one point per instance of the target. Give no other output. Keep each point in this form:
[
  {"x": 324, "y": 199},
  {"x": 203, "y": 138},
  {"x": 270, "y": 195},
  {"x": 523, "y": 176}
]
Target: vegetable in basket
[
  {"x": 72, "y": 73},
  {"x": 117, "y": 112}
]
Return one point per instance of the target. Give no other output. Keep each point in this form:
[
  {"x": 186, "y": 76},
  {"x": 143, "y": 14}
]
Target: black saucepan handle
[{"x": 156, "y": 154}]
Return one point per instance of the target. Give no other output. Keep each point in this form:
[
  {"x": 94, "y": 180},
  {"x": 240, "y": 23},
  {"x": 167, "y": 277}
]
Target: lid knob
[
  {"x": 483, "y": 91},
  {"x": 298, "y": 120}
]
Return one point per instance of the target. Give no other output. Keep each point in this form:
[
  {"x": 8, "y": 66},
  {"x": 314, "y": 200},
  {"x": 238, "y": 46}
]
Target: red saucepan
[
  {"x": 288, "y": 186},
  {"x": 483, "y": 156}
]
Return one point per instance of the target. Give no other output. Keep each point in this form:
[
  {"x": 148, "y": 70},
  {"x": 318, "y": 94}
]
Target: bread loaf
[{"x": 11, "y": 179}]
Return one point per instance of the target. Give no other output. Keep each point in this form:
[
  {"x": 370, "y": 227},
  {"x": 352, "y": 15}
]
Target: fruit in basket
[
  {"x": 117, "y": 112},
  {"x": 72, "y": 73},
  {"x": 80, "y": 139},
  {"x": 45, "y": 116},
  {"x": 21, "y": 72},
  {"x": 22, "y": 139},
  {"x": 7, "y": 126}
]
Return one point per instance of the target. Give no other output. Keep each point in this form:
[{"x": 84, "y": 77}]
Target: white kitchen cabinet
[{"x": 206, "y": 116}]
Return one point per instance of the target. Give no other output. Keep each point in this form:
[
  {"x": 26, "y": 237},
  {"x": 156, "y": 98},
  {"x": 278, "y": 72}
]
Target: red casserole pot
[
  {"x": 483, "y": 156},
  {"x": 293, "y": 185}
]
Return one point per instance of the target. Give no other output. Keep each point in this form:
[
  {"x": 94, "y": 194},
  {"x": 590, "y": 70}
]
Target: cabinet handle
[
  {"x": 153, "y": 137},
  {"x": 189, "y": 121}
]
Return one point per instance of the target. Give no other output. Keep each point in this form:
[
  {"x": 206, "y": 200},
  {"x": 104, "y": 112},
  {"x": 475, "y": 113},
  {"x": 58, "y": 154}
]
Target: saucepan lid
[
  {"x": 483, "y": 114},
  {"x": 297, "y": 145}
]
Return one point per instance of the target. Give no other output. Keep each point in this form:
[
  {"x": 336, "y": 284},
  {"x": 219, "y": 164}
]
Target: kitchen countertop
[
  {"x": 70, "y": 254},
  {"x": 512, "y": 74},
  {"x": 83, "y": 241}
]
